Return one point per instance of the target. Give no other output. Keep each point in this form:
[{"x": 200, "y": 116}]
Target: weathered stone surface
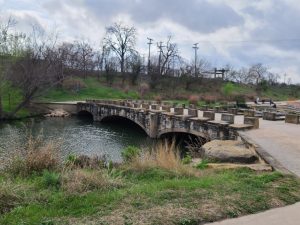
[
  {"x": 58, "y": 113},
  {"x": 227, "y": 118},
  {"x": 228, "y": 151},
  {"x": 292, "y": 118},
  {"x": 269, "y": 116},
  {"x": 252, "y": 121},
  {"x": 209, "y": 114}
]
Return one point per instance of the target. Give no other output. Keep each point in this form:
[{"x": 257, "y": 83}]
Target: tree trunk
[
  {"x": 1, "y": 109},
  {"x": 122, "y": 73}
]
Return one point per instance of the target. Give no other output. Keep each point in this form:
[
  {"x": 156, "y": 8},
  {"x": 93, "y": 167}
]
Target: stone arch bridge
[{"x": 159, "y": 119}]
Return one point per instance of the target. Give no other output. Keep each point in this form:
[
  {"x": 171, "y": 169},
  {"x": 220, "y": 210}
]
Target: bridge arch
[
  {"x": 182, "y": 131},
  {"x": 116, "y": 117},
  {"x": 85, "y": 113}
]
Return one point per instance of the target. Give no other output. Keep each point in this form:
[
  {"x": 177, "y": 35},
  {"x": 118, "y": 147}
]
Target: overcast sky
[{"x": 238, "y": 32}]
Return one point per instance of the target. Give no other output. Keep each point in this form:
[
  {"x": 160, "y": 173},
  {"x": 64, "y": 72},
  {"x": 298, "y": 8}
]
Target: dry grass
[
  {"x": 10, "y": 196},
  {"x": 79, "y": 181},
  {"x": 36, "y": 156},
  {"x": 165, "y": 156}
]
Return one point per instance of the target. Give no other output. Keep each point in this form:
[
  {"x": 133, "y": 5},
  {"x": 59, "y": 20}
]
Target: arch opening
[
  {"x": 85, "y": 115},
  {"x": 187, "y": 142},
  {"x": 124, "y": 123}
]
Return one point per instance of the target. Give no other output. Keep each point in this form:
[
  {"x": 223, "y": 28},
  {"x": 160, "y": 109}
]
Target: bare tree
[
  {"x": 136, "y": 67},
  {"x": 257, "y": 72},
  {"x": 36, "y": 69},
  {"x": 85, "y": 55},
  {"x": 168, "y": 53},
  {"x": 8, "y": 44},
  {"x": 121, "y": 40}
]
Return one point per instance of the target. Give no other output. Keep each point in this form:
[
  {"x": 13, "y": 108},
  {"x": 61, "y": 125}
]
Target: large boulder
[{"x": 229, "y": 152}]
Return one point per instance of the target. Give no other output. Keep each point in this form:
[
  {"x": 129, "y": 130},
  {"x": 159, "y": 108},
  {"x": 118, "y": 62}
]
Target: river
[{"x": 76, "y": 135}]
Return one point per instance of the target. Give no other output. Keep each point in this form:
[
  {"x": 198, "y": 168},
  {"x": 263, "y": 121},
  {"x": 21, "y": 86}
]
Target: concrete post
[
  {"x": 178, "y": 111},
  {"x": 155, "y": 107},
  {"x": 233, "y": 111},
  {"x": 292, "y": 118},
  {"x": 166, "y": 108},
  {"x": 209, "y": 114},
  {"x": 252, "y": 121},
  {"x": 269, "y": 116},
  {"x": 153, "y": 129},
  {"x": 193, "y": 112},
  {"x": 145, "y": 106},
  {"x": 227, "y": 118},
  {"x": 249, "y": 113}
]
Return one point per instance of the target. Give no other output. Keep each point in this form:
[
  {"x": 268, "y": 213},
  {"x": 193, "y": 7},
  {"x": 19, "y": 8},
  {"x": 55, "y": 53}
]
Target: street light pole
[{"x": 196, "y": 49}]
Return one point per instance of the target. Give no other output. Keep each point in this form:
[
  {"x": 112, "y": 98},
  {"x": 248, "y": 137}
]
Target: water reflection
[{"x": 77, "y": 135}]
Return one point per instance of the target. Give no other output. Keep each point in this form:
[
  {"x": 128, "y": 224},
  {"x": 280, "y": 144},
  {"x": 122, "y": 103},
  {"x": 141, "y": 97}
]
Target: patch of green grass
[
  {"x": 94, "y": 90},
  {"x": 11, "y": 98},
  {"x": 228, "y": 193}
]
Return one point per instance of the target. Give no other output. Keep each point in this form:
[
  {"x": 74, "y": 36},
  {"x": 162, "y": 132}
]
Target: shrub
[
  {"x": 130, "y": 153},
  {"x": 35, "y": 157},
  {"x": 74, "y": 85},
  {"x": 164, "y": 156},
  {"x": 80, "y": 181},
  {"x": 143, "y": 89},
  {"x": 51, "y": 179},
  {"x": 187, "y": 159},
  {"x": 42, "y": 158},
  {"x": 194, "y": 99},
  {"x": 83, "y": 161},
  {"x": 228, "y": 89},
  {"x": 203, "y": 164}
]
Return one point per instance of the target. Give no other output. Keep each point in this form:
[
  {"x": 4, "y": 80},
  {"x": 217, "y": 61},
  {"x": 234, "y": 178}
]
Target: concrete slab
[
  {"x": 281, "y": 141},
  {"x": 288, "y": 215}
]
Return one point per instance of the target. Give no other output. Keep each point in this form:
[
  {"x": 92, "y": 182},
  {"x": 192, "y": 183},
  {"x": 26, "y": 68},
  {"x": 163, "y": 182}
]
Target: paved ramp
[
  {"x": 281, "y": 141},
  {"x": 288, "y": 215}
]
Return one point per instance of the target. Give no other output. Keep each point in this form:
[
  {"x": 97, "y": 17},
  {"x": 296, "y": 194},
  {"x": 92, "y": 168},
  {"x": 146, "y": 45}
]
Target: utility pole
[
  {"x": 149, "y": 56},
  {"x": 284, "y": 78},
  {"x": 196, "y": 49},
  {"x": 160, "y": 46}
]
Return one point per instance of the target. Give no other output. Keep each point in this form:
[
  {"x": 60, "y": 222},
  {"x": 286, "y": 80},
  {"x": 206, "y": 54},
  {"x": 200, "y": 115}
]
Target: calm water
[{"x": 76, "y": 135}]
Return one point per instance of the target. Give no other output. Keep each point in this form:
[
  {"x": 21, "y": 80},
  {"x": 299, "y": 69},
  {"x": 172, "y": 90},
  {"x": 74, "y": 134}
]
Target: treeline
[{"x": 36, "y": 62}]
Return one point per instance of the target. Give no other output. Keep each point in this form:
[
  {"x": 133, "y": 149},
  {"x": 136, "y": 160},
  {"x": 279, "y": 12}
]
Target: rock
[
  {"x": 58, "y": 113},
  {"x": 229, "y": 151}
]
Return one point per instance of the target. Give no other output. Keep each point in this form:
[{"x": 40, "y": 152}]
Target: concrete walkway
[
  {"x": 289, "y": 215},
  {"x": 281, "y": 141}
]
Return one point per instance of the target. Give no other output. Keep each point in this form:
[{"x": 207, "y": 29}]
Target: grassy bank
[
  {"x": 153, "y": 188},
  {"x": 209, "y": 91}
]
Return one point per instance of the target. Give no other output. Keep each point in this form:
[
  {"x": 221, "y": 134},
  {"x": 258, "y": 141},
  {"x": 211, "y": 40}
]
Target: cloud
[{"x": 229, "y": 31}]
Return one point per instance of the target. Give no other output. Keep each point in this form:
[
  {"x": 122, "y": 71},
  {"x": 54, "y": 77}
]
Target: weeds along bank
[{"x": 155, "y": 187}]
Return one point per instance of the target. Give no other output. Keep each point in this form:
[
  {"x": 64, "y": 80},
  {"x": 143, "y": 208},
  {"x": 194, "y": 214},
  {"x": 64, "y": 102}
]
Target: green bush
[
  {"x": 51, "y": 179},
  {"x": 203, "y": 165},
  {"x": 129, "y": 153},
  {"x": 187, "y": 159},
  {"x": 228, "y": 89}
]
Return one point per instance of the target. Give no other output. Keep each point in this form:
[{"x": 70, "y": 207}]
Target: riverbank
[{"x": 156, "y": 188}]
